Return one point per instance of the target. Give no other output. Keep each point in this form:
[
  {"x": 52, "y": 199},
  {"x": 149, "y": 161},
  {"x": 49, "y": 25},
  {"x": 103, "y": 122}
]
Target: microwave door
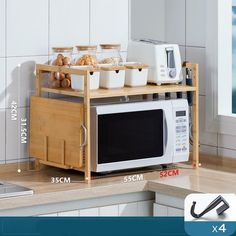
[
  {"x": 130, "y": 136},
  {"x": 134, "y": 139}
]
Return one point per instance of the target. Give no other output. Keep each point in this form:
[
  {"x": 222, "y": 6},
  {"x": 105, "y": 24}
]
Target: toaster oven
[{"x": 164, "y": 60}]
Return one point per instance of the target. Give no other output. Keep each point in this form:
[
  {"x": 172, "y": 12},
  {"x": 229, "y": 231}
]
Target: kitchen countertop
[{"x": 208, "y": 179}]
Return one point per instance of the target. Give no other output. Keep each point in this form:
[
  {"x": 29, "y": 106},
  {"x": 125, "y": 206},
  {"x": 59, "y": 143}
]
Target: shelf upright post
[
  {"x": 195, "y": 116},
  {"x": 87, "y": 125},
  {"x": 37, "y": 165},
  {"x": 38, "y": 82}
]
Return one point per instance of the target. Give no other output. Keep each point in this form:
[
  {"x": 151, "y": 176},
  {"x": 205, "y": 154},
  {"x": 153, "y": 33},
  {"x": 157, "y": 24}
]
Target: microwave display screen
[
  {"x": 130, "y": 136},
  {"x": 180, "y": 113}
]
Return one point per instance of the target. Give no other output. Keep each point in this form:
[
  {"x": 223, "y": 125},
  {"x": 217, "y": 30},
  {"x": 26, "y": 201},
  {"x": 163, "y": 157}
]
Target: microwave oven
[{"x": 139, "y": 134}]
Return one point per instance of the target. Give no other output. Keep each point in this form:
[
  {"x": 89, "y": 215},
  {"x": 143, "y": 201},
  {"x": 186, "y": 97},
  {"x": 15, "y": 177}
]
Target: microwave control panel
[{"x": 182, "y": 138}]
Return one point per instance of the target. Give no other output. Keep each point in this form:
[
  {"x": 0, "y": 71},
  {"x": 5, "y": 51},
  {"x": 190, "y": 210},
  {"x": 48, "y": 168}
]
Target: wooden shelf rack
[{"x": 87, "y": 95}]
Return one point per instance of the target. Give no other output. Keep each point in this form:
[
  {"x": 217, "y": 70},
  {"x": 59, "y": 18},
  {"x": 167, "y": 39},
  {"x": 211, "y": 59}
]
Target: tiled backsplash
[{"x": 28, "y": 30}]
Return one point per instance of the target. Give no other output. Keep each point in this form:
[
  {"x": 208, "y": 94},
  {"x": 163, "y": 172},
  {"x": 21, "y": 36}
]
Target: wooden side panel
[{"x": 55, "y": 131}]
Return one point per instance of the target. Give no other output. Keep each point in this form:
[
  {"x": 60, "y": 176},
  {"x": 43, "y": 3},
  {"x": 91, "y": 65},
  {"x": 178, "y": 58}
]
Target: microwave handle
[
  {"x": 84, "y": 136},
  {"x": 166, "y": 132}
]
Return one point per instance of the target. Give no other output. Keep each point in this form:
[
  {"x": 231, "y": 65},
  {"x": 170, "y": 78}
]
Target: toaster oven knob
[{"x": 172, "y": 73}]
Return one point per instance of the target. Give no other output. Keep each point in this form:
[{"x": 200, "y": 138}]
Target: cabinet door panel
[
  {"x": 175, "y": 211},
  {"x": 160, "y": 210},
  {"x": 55, "y": 131}
]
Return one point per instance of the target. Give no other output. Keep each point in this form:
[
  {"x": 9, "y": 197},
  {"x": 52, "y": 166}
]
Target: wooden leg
[
  {"x": 195, "y": 117},
  {"x": 37, "y": 165},
  {"x": 87, "y": 124}
]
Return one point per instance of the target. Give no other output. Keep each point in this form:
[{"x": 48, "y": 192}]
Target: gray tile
[
  {"x": 148, "y": 19},
  {"x": 175, "y": 21},
  {"x": 2, "y": 82},
  {"x": 198, "y": 55},
  {"x": 196, "y": 22},
  {"x": 2, "y": 28}
]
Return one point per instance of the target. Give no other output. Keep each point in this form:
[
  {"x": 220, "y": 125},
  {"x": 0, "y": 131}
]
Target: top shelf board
[{"x": 126, "y": 91}]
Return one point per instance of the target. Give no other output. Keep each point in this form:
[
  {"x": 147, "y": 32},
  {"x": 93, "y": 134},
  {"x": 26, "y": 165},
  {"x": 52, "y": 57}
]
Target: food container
[
  {"x": 62, "y": 56},
  {"x": 110, "y": 54},
  {"x": 112, "y": 77},
  {"x": 77, "y": 81},
  {"x": 136, "y": 74},
  {"x": 86, "y": 55}
]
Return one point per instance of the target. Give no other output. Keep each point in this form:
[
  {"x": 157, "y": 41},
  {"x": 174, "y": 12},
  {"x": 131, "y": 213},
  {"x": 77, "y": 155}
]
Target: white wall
[
  {"x": 185, "y": 24},
  {"x": 28, "y": 31}
]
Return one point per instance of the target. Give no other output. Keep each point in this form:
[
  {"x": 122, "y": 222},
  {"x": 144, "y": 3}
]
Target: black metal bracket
[{"x": 211, "y": 206}]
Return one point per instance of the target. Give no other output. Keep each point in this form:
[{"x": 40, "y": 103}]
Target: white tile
[
  {"x": 195, "y": 22},
  {"x": 128, "y": 209},
  {"x": 21, "y": 80},
  {"x": 206, "y": 138},
  {"x": 109, "y": 22},
  {"x": 209, "y": 150},
  {"x": 148, "y": 19},
  {"x": 14, "y": 149},
  {"x": 2, "y": 82},
  {"x": 2, "y": 28},
  {"x": 175, "y": 211},
  {"x": 124, "y": 56},
  {"x": 197, "y": 55},
  {"x": 175, "y": 21},
  {"x": 109, "y": 211},
  {"x": 159, "y": 210},
  {"x": 2, "y": 136},
  {"x": 27, "y": 27},
  {"x": 89, "y": 212},
  {"x": 145, "y": 208},
  {"x": 223, "y": 152},
  {"x": 69, "y": 22},
  {"x": 69, "y": 213}
]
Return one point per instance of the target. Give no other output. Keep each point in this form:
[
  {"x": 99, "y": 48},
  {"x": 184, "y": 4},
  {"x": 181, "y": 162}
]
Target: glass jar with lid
[
  {"x": 62, "y": 56},
  {"x": 110, "y": 54},
  {"x": 86, "y": 55}
]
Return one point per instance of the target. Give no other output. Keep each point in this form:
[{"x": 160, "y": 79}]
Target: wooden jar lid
[
  {"x": 110, "y": 46},
  {"x": 62, "y": 49},
  {"x": 86, "y": 47}
]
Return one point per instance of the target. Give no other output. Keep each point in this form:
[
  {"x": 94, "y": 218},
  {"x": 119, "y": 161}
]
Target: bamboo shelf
[
  {"x": 126, "y": 91},
  {"x": 87, "y": 95}
]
